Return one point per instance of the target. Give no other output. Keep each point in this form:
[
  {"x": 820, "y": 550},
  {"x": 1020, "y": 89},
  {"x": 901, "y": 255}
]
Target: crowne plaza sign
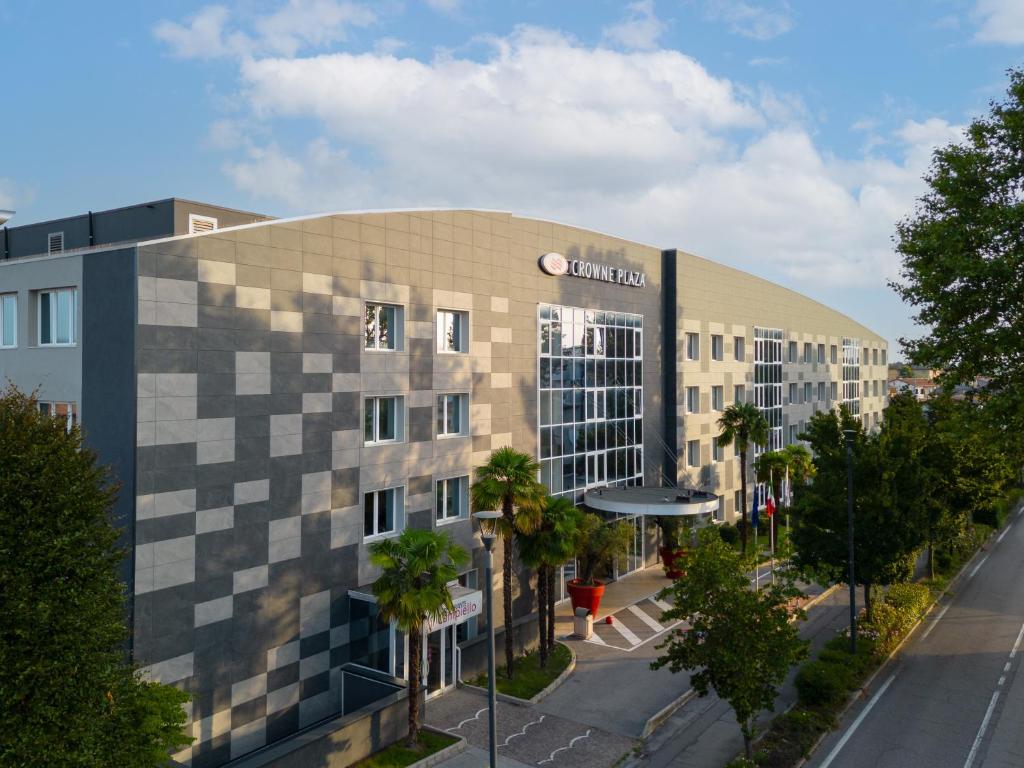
[{"x": 556, "y": 264}]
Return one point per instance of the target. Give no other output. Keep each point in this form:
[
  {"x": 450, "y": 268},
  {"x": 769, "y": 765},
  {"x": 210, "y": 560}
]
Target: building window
[
  {"x": 833, "y": 354},
  {"x": 821, "y": 353},
  {"x": 716, "y": 450},
  {"x": 883, "y": 357},
  {"x": 693, "y": 346},
  {"x": 808, "y": 391},
  {"x": 792, "y": 434},
  {"x": 452, "y": 499},
  {"x": 821, "y": 390},
  {"x": 720, "y": 510},
  {"x": 737, "y": 502},
  {"x": 737, "y": 393},
  {"x": 452, "y": 331},
  {"x": 693, "y": 399},
  {"x": 718, "y": 398},
  {"x": 833, "y": 391},
  {"x": 383, "y": 512},
  {"x": 874, "y": 356},
  {"x": 68, "y": 412},
  {"x": 874, "y": 388},
  {"x": 791, "y": 357},
  {"x": 737, "y": 348},
  {"x": 55, "y": 243},
  {"x": 452, "y": 415},
  {"x": 9, "y": 320},
  {"x": 383, "y": 419},
  {"x": 793, "y": 397},
  {"x": 57, "y": 315},
  {"x": 807, "y": 352},
  {"x": 693, "y": 453},
  {"x": 768, "y": 383},
  {"x": 198, "y": 224},
  {"x": 383, "y": 326},
  {"x": 717, "y": 347}
]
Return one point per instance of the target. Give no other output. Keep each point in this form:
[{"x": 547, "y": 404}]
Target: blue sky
[{"x": 784, "y": 138}]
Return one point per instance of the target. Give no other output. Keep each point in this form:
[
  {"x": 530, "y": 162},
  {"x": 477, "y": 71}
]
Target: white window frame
[
  {"x": 4, "y": 297},
  {"x": 73, "y": 317},
  {"x": 462, "y": 318},
  {"x": 808, "y": 353},
  {"x": 692, "y": 345},
  {"x": 716, "y": 450},
  {"x": 794, "y": 394},
  {"x": 50, "y": 250},
  {"x": 399, "y": 518},
  {"x": 441, "y": 416},
  {"x": 738, "y": 348},
  {"x": 693, "y": 407},
  {"x": 821, "y": 353},
  {"x": 690, "y": 445},
  {"x": 717, "y": 403},
  {"x": 717, "y": 340},
  {"x": 398, "y": 331},
  {"x": 741, "y": 391},
  {"x": 808, "y": 392},
  {"x": 399, "y": 419},
  {"x": 439, "y": 511},
  {"x": 71, "y": 416},
  {"x": 195, "y": 217}
]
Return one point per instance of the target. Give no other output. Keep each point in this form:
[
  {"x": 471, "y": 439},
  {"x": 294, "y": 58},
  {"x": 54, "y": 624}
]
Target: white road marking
[
  {"x": 467, "y": 720},
  {"x": 661, "y": 604},
  {"x": 596, "y": 638},
  {"x": 1016, "y": 645},
  {"x": 1002, "y": 679},
  {"x": 522, "y": 732},
  {"x": 1001, "y": 535},
  {"x": 975, "y": 569},
  {"x": 937, "y": 619},
  {"x": 626, "y": 632},
  {"x": 1006, "y": 667},
  {"x": 981, "y": 731},
  {"x": 856, "y": 723},
  {"x": 550, "y": 758},
  {"x": 645, "y": 618}
]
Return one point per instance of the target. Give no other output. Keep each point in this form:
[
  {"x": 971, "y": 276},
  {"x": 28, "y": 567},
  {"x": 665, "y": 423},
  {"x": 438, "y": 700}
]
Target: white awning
[{"x": 654, "y": 502}]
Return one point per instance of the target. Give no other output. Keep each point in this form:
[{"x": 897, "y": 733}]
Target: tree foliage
[
  {"x": 742, "y": 425},
  {"x": 69, "y": 696},
  {"x": 413, "y": 587},
  {"x": 740, "y": 642},
  {"x": 508, "y": 483},
  {"x": 597, "y": 543}
]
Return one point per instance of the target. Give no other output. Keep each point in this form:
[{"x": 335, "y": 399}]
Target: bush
[
  {"x": 730, "y": 533},
  {"x": 791, "y": 736},
  {"x": 837, "y": 651},
  {"x": 915, "y": 598},
  {"x": 821, "y": 684},
  {"x": 904, "y": 604},
  {"x": 741, "y": 762}
]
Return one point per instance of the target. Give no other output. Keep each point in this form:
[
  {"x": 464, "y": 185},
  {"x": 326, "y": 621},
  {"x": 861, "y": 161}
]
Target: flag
[
  {"x": 787, "y": 492},
  {"x": 769, "y": 505},
  {"x": 754, "y": 512}
]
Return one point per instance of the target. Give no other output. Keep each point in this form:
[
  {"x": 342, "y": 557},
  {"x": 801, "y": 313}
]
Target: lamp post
[
  {"x": 850, "y": 433},
  {"x": 488, "y": 522}
]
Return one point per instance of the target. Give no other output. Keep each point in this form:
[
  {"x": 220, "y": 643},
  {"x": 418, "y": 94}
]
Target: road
[{"x": 955, "y": 695}]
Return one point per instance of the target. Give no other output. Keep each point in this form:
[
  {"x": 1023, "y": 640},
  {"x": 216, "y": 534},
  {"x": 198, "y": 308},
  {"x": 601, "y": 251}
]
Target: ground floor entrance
[{"x": 441, "y": 660}]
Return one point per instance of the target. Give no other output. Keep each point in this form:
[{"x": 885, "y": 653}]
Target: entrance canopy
[{"x": 655, "y": 502}]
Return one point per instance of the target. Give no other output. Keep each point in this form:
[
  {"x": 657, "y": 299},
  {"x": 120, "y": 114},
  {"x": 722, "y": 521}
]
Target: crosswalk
[{"x": 633, "y": 626}]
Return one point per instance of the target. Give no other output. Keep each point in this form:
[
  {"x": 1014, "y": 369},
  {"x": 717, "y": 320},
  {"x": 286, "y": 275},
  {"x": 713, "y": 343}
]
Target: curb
[
  {"x": 441, "y": 755},
  {"x": 540, "y": 695},
  {"x": 665, "y": 713}
]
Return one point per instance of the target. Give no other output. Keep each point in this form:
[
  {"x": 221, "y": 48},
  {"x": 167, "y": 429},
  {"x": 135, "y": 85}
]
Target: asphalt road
[{"x": 955, "y": 696}]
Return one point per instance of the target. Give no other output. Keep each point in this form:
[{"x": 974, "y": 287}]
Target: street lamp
[
  {"x": 488, "y": 522},
  {"x": 850, "y": 433}
]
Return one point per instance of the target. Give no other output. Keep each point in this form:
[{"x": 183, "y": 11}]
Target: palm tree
[
  {"x": 741, "y": 425},
  {"x": 546, "y": 548},
  {"x": 413, "y": 587},
  {"x": 508, "y": 481},
  {"x": 800, "y": 463}
]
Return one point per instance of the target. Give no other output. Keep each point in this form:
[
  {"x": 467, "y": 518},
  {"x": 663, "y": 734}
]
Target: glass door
[
  {"x": 633, "y": 560},
  {"x": 439, "y": 660}
]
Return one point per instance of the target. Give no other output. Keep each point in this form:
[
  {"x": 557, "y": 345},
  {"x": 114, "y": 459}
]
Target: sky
[{"x": 782, "y": 138}]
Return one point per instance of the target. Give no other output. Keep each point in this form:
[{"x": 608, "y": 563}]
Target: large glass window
[
  {"x": 57, "y": 315},
  {"x": 383, "y": 419},
  {"x": 851, "y": 375},
  {"x": 383, "y": 511},
  {"x": 768, "y": 382},
  {"x": 693, "y": 399},
  {"x": 717, "y": 347},
  {"x": 383, "y": 326},
  {"x": 590, "y": 399},
  {"x": 452, "y": 331},
  {"x": 452, "y": 499},
  {"x": 717, "y": 398},
  {"x": 452, "y": 415},
  {"x": 9, "y": 320},
  {"x": 66, "y": 412},
  {"x": 737, "y": 348}
]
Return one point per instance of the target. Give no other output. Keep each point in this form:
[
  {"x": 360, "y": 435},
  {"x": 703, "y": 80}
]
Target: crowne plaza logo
[{"x": 554, "y": 264}]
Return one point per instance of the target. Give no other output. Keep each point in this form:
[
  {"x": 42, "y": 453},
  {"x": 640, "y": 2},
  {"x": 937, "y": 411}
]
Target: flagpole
[
  {"x": 757, "y": 573},
  {"x": 771, "y": 524}
]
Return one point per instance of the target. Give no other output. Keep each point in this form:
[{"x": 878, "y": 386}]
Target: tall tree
[
  {"x": 69, "y": 695},
  {"x": 963, "y": 254},
  {"x": 740, "y": 642},
  {"x": 546, "y": 548},
  {"x": 508, "y": 482},
  {"x": 742, "y": 425},
  {"x": 800, "y": 464},
  {"x": 889, "y": 488},
  {"x": 412, "y": 588}
]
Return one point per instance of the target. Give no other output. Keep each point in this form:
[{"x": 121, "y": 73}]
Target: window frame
[
  {"x": 462, "y": 317},
  {"x": 3, "y": 298},
  {"x": 716, "y": 449},
  {"x": 399, "y": 492},
  {"x": 739, "y": 351},
  {"x": 690, "y": 444},
  {"x": 718, "y": 340},
  {"x": 741, "y": 390},
  {"x": 398, "y": 329},
  {"x": 694, "y": 352},
  {"x": 696, "y": 408},
  {"x": 70, "y": 415},
  {"x": 399, "y": 420},
  {"x": 718, "y": 403},
  {"x": 441, "y": 414},
  {"x": 72, "y": 316},
  {"x": 441, "y": 483}
]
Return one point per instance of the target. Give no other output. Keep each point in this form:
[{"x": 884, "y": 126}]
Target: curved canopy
[{"x": 657, "y": 502}]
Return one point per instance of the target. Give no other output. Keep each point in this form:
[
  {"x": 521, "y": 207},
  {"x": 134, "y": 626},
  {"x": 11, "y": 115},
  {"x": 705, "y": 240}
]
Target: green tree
[
  {"x": 546, "y": 548},
  {"x": 412, "y": 588},
  {"x": 597, "y": 543},
  {"x": 740, "y": 642},
  {"x": 963, "y": 255},
  {"x": 69, "y": 696},
  {"x": 508, "y": 483},
  {"x": 800, "y": 463},
  {"x": 889, "y": 483},
  {"x": 742, "y": 425}
]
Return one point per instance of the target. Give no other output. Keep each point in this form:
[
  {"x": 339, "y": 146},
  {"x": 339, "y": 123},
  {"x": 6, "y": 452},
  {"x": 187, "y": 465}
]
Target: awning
[
  {"x": 655, "y": 502},
  {"x": 466, "y": 603}
]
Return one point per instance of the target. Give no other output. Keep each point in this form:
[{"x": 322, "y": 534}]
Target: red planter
[
  {"x": 669, "y": 558},
  {"x": 582, "y": 596}
]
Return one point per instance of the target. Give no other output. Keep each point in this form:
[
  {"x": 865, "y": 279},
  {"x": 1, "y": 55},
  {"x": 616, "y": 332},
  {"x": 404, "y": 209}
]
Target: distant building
[{"x": 922, "y": 388}]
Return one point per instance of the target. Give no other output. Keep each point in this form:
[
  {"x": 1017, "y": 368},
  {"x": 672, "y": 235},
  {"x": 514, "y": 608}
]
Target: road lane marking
[
  {"x": 646, "y": 619},
  {"x": 1005, "y": 531},
  {"x": 661, "y": 604},
  {"x": 1006, "y": 667},
  {"x": 596, "y": 638},
  {"x": 937, "y": 619},
  {"x": 626, "y": 632},
  {"x": 1016, "y": 645},
  {"x": 981, "y": 731},
  {"x": 975, "y": 570},
  {"x": 856, "y": 723}
]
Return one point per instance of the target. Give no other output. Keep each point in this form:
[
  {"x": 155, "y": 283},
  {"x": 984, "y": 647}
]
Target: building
[
  {"x": 920, "y": 388},
  {"x": 276, "y": 394}
]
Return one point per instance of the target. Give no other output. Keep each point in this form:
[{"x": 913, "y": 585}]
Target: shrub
[
  {"x": 914, "y": 598},
  {"x": 730, "y": 533},
  {"x": 837, "y": 650},
  {"x": 791, "y": 736},
  {"x": 821, "y": 684},
  {"x": 741, "y": 762}
]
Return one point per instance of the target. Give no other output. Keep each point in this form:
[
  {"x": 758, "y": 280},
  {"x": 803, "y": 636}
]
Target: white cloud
[
  {"x": 752, "y": 20},
  {"x": 445, "y": 6},
  {"x": 999, "y": 21},
  {"x": 297, "y": 25},
  {"x": 640, "y": 29},
  {"x": 645, "y": 144}
]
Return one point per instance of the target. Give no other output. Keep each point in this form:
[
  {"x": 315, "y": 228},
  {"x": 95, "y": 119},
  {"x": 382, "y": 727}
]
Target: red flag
[{"x": 769, "y": 507}]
